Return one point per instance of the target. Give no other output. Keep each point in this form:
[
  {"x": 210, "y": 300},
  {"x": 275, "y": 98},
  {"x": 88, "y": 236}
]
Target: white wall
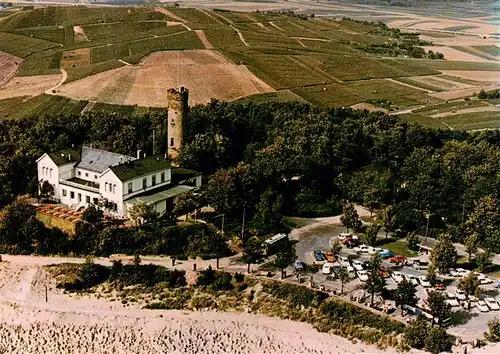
[
  {"x": 87, "y": 175},
  {"x": 75, "y": 202},
  {"x": 137, "y": 186},
  {"x": 111, "y": 188},
  {"x": 48, "y": 171}
]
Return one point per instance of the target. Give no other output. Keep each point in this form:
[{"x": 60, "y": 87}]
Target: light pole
[{"x": 428, "y": 216}]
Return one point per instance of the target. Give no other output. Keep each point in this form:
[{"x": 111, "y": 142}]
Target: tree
[
  {"x": 344, "y": 279},
  {"x": 444, "y": 256},
  {"x": 372, "y": 233},
  {"x": 416, "y": 332},
  {"x": 251, "y": 250},
  {"x": 45, "y": 190},
  {"x": 413, "y": 242},
  {"x": 89, "y": 273},
  {"x": 470, "y": 285},
  {"x": 438, "y": 306},
  {"x": 406, "y": 294},
  {"x": 350, "y": 218},
  {"x": 484, "y": 261},
  {"x": 388, "y": 221},
  {"x": 268, "y": 209},
  {"x": 493, "y": 334},
  {"x": 142, "y": 212},
  {"x": 217, "y": 241},
  {"x": 286, "y": 256},
  {"x": 375, "y": 282},
  {"x": 431, "y": 274},
  {"x": 437, "y": 341},
  {"x": 485, "y": 222},
  {"x": 471, "y": 243},
  {"x": 335, "y": 247},
  {"x": 186, "y": 203}
]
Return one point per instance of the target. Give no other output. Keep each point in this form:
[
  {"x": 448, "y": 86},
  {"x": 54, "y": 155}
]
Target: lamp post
[{"x": 428, "y": 216}]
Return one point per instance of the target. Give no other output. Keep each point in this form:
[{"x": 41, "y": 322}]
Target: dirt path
[
  {"x": 241, "y": 36},
  {"x": 63, "y": 79},
  {"x": 261, "y": 25},
  {"x": 468, "y": 110},
  {"x": 169, "y": 14},
  {"x": 212, "y": 17},
  {"x": 204, "y": 39},
  {"x": 80, "y": 35},
  {"x": 277, "y": 27},
  {"x": 408, "y": 85},
  {"x": 302, "y": 44}
]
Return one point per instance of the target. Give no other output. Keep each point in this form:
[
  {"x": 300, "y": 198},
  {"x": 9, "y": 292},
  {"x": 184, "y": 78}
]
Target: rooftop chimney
[{"x": 139, "y": 153}]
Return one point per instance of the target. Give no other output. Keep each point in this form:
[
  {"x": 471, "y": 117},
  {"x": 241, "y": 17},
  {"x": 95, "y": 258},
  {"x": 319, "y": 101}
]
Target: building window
[
  {"x": 95, "y": 176},
  {"x": 86, "y": 174},
  {"x": 79, "y": 197},
  {"x": 130, "y": 187},
  {"x": 106, "y": 186},
  {"x": 153, "y": 180},
  {"x": 79, "y": 173},
  {"x": 95, "y": 201},
  {"x": 87, "y": 199},
  {"x": 162, "y": 177},
  {"x": 43, "y": 170},
  {"x": 144, "y": 183},
  {"x": 171, "y": 141},
  {"x": 72, "y": 195},
  {"x": 64, "y": 192},
  {"x": 50, "y": 173}
]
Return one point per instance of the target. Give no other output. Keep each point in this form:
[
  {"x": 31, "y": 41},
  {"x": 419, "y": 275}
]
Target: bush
[
  {"x": 239, "y": 277},
  {"x": 297, "y": 295},
  {"x": 343, "y": 312},
  {"x": 416, "y": 332},
  {"x": 437, "y": 341},
  {"x": 493, "y": 334},
  {"x": 182, "y": 257}
]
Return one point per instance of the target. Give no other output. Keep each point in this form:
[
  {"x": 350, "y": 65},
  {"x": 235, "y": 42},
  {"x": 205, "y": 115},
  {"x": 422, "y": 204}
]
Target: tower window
[{"x": 171, "y": 141}]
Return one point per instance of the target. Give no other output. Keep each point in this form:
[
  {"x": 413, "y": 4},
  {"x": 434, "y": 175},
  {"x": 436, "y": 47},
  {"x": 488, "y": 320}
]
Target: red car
[
  {"x": 383, "y": 272},
  {"x": 439, "y": 286},
  {"x": 397, "y": 259}
]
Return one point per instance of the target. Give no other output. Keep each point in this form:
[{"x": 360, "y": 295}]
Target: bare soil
[
  {"x": 8, "y": 66},
  {"x": 461, "y": 93},
  {"x": 204, "y": 39},
  {"x": 453, "y": 54},
  {"x": 484, "y": 76},
  {"x": 29, "y": 85},
  {"x": 74, "y": 58},
  {"x": 206, "y": 73},
  {"x": 79, "y": 34}
]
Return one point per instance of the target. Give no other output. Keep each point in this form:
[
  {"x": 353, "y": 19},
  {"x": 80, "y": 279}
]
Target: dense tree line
[{"x": 273, "y": 159}]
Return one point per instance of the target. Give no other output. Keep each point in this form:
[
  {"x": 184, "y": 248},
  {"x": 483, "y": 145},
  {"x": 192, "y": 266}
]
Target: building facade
[{"x": 87, "y": 175}]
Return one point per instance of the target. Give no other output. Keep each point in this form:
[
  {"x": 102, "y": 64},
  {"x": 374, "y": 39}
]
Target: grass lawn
[
  {"x": 62, "y": 224},
  {"x": 293, "y": 222},
  {"x": 398, "y": 247}
]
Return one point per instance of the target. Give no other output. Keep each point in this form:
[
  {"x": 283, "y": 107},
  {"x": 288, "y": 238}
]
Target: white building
[{"x": 87, "y": 175}]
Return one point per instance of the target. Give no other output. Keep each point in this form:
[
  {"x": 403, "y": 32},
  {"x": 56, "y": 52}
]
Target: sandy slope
[{"x": 71, "y": 324}]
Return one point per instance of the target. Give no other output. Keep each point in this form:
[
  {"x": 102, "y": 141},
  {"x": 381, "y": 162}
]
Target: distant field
[
  {"x": 130, "y": 56},
  {"x": 449, "y": 106},
  {"x": 37, "y": 106},
  {"x": 471, "y": 121}
]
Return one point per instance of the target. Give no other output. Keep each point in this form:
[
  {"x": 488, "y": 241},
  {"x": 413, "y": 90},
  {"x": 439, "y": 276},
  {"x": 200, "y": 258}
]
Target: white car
[
  {"x": 424, "y": 282},
  {"x": 362, "y": 249},
  {"x": 344, "y": 262},
  {"x": 398, "y": 277},
  {"x": 420, "y": 265},
  {"x": 472, "y": 298},
  {"x": 454, "y": 273},
  {"x": 485, "y": 281},
  {"x": 327, "y": 268},
  {"x": 462, "y": 272},
  {"x": 412, "y": 279},
  {"x": 452, "y": 301},
  {"x": 460, "y": 295},
  {"x": 374, "y": 250},
  {"x": 345, "y": 235},
  {"x": 492, "y": 304},
  {"x": 357, "y": 265},
  {"x": 362, "y": 275},
  {"x": 481, "y": 305}
]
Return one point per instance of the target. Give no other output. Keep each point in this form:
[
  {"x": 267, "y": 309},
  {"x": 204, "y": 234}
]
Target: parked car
[
  {"x": 453, "y": 302},
  {"x": 424, "y": 282},
  {"x": 357, "y": 265},
  {"x": 398, "y": 277},
  {"x": 362, "y": 275},
  {"x": 420, "y": 265},
  {"x": 492, "y": 304},
  {"x": 374, "y": 250},
  {"x": 412, "y": 279},
  {"x": 462, "y": 272},
  {"x": 300, "y": 265},
  {"x": 439, "y": 286},
  {"x": 383, "y": 272},
  {"x": 461, "y": 295},
  {"x": 327, "y": 268},
  {"x": 330, "y": 257},
  {"x": 318, "y": 256},
  {"x": 387, "y": 254},
  {"x": 346, "y": 235},
  {"x": 362, "y": 249},
  {"x": 397, "y": 259},
  {"x": 352, "y": 243},
  {"x": 497, "y": 284},
  {"x": 344, "y": 261},
  {"x": 481, "y": 305}
]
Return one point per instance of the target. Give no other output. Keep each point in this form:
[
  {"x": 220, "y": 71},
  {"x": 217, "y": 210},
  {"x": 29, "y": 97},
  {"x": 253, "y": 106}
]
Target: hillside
[{"x": 101, "y": 55}]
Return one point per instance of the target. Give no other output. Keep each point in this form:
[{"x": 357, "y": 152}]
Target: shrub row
[{"x": 296, "y": 294}]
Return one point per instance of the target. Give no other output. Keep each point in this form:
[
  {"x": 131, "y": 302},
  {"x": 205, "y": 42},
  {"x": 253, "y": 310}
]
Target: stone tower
[{"x": 177, "y": 108}]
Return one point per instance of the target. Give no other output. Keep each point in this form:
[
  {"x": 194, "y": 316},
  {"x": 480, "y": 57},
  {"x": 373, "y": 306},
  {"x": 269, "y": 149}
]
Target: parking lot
[{"x": 468, "y": 324}]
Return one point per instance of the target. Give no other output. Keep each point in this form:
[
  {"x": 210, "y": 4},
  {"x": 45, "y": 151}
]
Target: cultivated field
[
  {"x": 106, "y": 54},
  {"x": 28, "y": 85},
  {"x": 8, "y": 66},
  {"x": 206, "y": 73}
]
